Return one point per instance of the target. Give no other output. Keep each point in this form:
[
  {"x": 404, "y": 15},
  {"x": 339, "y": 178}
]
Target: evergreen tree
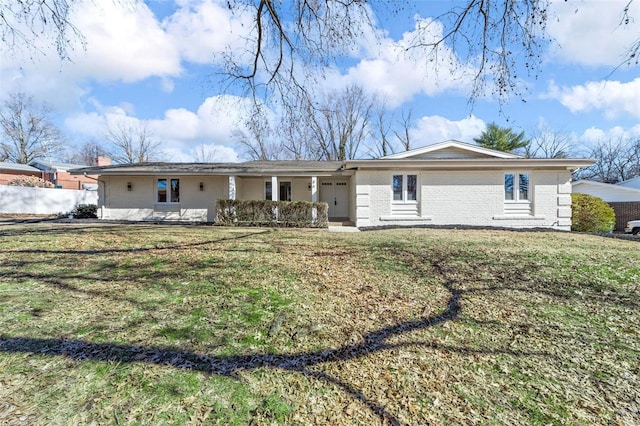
[{"x": 501, "y": 139}]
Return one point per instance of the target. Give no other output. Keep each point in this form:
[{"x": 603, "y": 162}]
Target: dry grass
[{"x": 189, "y": 325}]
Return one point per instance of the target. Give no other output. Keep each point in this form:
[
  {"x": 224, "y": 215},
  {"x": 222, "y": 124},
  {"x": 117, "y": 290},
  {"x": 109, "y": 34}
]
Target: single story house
[{"x": 450, "y": 183}]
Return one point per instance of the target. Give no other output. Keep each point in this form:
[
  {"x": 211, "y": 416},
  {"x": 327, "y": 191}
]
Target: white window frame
[
  {"x": 168, "y": 179},
  {"x": 405, "y": 191},
  {"x": 516, "y": 187}
]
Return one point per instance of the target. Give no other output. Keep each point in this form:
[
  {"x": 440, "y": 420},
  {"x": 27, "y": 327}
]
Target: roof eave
[{"x": 493, "y": 163}]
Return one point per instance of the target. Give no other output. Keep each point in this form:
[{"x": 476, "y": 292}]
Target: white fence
[{"x": 26, "y": 200}]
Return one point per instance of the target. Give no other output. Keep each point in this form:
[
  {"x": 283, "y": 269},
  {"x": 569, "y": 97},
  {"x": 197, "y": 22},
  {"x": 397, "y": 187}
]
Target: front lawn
[{"x": 149, "y": 324}]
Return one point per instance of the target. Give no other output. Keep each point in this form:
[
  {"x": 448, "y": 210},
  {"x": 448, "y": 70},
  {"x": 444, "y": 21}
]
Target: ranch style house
[{"x": 449, "y": 183}]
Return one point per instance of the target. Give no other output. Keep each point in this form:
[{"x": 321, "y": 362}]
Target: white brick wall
[
  {"x": 465, "y": 198},
  {"x": 118, "y": 203}
]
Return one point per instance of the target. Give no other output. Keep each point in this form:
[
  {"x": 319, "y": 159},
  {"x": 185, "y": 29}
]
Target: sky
[{"x": 153, "y": 63}]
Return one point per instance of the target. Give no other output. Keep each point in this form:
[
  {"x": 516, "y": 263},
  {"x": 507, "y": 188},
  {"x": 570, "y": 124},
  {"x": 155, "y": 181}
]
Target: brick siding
[
  {"x": 7, "y": 176},
  {"x": 625, "y": 211}
]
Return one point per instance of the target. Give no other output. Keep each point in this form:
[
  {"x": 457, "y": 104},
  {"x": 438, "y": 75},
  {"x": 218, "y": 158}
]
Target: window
[
  {"x": 405, "y": 187},
  {"x": 397, "y": 187},
  {"x": 412, "y": 187},
  {"x": 508, "y": 187},
  {"x": 516, "y": 187},
  {"x": 285, "y": 191},
  {"x": 162, "y": 190},
  {"x": 170, "y": 194},
  {"x": 175, "y": 190},
  {"x": 268, "y": 190}
]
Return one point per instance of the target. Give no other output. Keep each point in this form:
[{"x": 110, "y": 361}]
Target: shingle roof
[
  {"x": 17, "y": 167},
  {"x": 246, "y": 168},
  {"x": 56, "y": 165}
]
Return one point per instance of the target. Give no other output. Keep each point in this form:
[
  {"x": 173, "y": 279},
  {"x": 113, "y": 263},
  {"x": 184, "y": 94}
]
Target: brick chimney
[{"x": 103, "y": 161}]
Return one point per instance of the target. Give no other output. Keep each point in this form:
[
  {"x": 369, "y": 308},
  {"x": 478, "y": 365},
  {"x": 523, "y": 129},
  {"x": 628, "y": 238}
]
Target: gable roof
[{"x": 450, "y": 149}]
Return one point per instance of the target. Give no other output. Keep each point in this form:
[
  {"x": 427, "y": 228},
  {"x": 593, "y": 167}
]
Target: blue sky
[{"x": 153, "y": 63}]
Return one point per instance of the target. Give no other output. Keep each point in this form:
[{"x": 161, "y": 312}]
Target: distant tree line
[
  {"x": 343, "y": 125},
  {"x": 29, "y": 133}
]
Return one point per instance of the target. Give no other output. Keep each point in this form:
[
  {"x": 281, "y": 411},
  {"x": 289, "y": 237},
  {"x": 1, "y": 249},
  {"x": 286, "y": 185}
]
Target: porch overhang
[{"x": 248, "y": 169}]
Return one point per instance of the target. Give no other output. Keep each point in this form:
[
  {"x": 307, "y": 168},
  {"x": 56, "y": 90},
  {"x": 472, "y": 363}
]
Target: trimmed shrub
[
  {"x": 295, "y": 214},
  {"x": 32, "y": 181},
  {"x": 591, "y": 214},
  {"x": 85, "y": 211}
]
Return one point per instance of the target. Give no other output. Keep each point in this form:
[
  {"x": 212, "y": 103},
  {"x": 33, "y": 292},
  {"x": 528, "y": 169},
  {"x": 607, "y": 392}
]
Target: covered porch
[{"x": 285, "y": 181}]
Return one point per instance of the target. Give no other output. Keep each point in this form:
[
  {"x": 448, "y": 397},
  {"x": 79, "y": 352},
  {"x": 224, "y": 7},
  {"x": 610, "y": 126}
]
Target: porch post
[
  {"x": 275, "y": 191},
  {"x": 314, "y": 189},
  {"x": 232, "y": 187},
  {"x": 314, "y": 198}
]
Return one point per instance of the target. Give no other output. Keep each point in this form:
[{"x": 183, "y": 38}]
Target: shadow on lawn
[
  {"x": 110, "y": 250},
  {"x": 483, "y": 276},
  {"x": 95, "y": 272},
  {"x": 303, "y": 362}
]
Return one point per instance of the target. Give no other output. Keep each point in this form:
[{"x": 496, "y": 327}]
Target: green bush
[
  {"x": 85, "y": 211},
  {"x": 297, "y": 214},
  {"x": 591, "y": 214}
]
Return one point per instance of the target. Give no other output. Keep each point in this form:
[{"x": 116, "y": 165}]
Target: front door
[{"x": 335, "y": 192}]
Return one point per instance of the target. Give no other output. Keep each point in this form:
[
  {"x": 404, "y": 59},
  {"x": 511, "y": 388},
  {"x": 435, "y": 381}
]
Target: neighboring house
[
  {"x": 10, "y": 171},
  {"x": 59, "y": 174},
  {"x": 631, "y": 183},
  {"x": 611, "y": 193},
  {"x": 623, "y": 197},
  {"x": 450, "y": 183}
]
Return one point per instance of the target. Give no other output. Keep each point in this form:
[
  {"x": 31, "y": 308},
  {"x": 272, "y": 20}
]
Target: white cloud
[
  {"x": 203, "y": 29},
  {"x": 433, "y": 129},
  {"x": 124, "y": 42},
  {"x": 397, "y": 72},
  {"x": 214, "y": 120},
  {"x": 613, "y": 98},
  {"x": 594, "y": 135},
  {"x": 590, "y": 33},
  {"x": 91, "y": 125},
  {"x": 181, "y": 132}
]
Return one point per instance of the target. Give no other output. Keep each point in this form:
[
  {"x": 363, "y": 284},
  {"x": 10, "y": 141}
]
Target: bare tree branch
[
  {"x": 402, "y": 134},
  {"x": 25, "y": 21},
  {"x": 547, "y": 143},
  {"x": 617, "y": 159},
  {"x": 131, "y": 143},
  {"x": 27, "y": 132}
]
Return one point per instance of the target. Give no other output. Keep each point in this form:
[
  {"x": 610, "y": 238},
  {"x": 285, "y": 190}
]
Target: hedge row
[{"x": 294, "y": 214}]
